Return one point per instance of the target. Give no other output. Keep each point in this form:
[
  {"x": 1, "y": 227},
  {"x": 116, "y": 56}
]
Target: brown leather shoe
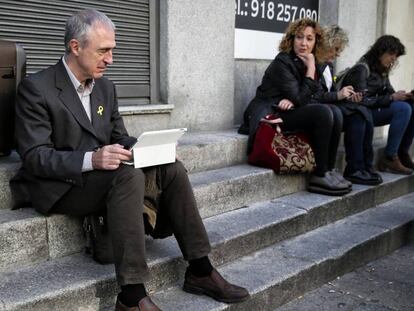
[
  {"x": 393, "y": 166},
  {"x": 405, "y": 159},
  {"x": 145, "y": 304},
  {"x": 214, "y": 286}
]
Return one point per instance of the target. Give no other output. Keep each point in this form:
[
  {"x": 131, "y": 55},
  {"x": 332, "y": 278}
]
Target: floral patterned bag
[{"x": 284, "y": 153}]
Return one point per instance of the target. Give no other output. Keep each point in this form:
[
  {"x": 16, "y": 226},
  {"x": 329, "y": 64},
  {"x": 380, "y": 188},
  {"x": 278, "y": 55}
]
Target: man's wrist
[{"x": 87, "y": 162}]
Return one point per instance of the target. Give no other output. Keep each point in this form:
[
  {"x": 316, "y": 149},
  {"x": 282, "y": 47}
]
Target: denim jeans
[{"x": 401, "y": 132}]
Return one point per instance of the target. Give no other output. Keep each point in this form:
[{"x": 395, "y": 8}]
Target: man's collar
[{"x": 78, "y": 86}]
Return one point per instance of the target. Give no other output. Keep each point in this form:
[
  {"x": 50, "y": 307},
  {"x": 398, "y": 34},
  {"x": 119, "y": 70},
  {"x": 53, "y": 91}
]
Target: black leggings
[{"x": 323, "y": 123}]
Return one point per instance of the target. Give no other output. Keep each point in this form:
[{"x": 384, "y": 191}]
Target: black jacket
[
  {"x": 328, "y": 96},
  {"x": 378, "y": 88},
  {"x": 53, "y": 133},
  {"x": 283, "y": 79}
]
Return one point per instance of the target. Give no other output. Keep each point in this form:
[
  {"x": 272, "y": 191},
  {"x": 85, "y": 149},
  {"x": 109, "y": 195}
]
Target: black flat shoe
[
  {"x": 375, "y": 175},
  {"x": 327, "y": 185},
  {"x": 362, "y": 177},
  {"x": 328, "y": 182},
  {"x": 325, "y": 191}
]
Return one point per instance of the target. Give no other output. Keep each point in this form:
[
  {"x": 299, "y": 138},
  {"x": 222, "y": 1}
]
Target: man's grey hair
[{"x": 78, "y": 26}]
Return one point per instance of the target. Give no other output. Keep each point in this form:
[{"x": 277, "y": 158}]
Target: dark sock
[
  {"x": 131, "y": 294},
  {"x": 200, "y": 267}
]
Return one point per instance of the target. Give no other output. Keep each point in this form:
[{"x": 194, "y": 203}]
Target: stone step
[
  {"x": 199, "y": 151},
  {"x": 76, "y": 281},
  {"x": 225, "y": 189},
  {"x": 8, "y": 168},
  {"x": 216, "y": 191},
  {"x": 385, "y": 284},
  {"x": 58, "y": 235},
  {"x": 286, "y": 270},
  {"x": 211, "y": 150},
  {"x": 26, "y": 237}
]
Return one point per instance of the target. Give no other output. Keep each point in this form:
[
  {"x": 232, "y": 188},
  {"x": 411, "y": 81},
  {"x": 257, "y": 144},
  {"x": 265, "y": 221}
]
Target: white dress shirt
[{"x": 85, "y": 98}]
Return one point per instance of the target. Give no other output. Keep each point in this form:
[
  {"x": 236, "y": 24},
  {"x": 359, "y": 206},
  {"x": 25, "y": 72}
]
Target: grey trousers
[{"x": 121, "y": 192}]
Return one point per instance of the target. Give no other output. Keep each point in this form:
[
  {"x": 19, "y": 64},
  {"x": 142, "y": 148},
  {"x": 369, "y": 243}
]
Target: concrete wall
[
  {"x": 197, "y": 62},
  {"x": 400, "y": 23},
  {"x": 363, "y": 22},
  {"x": 247, "y": 77}
]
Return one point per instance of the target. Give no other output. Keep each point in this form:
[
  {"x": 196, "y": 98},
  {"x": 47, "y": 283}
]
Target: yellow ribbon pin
[{"x": 100, "y": 110}]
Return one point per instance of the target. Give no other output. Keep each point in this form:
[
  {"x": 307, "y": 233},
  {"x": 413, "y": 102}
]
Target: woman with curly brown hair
[{"x": 288, "y": 86}]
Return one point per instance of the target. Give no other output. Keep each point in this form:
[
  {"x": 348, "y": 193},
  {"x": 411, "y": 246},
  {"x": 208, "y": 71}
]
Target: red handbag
[{"x": 284, "y": 153}]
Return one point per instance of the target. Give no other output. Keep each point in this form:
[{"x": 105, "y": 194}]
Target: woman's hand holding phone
[{"x": 401, "y": 96}]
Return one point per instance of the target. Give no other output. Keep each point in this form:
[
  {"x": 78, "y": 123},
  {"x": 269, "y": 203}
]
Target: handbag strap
[{"x": 273, "y": 120}]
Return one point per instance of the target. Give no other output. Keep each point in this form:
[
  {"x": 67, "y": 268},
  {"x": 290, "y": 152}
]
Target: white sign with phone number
[{"x": 260, "y": 24}]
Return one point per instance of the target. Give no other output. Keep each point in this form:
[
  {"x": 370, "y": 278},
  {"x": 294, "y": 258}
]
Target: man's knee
[
  {"x": 128, "y": 174},
  {"x": 176, "y": 168},
  {"x": 174, "y": 172}
]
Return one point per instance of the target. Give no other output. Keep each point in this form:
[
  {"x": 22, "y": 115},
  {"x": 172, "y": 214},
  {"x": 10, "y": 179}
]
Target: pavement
[{"x": 386, "y": 284}]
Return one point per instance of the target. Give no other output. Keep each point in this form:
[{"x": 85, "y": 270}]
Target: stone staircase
[{"x": 267, "y": 234}]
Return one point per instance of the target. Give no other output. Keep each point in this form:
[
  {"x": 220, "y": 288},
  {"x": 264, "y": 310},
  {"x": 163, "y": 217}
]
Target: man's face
[{"x": 96, "y": 54}]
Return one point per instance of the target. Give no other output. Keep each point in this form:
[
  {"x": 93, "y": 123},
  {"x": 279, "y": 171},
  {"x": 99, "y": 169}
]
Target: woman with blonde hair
[
  {"x": 357, "y": 120},
  {"x": 288, "y": 87}
]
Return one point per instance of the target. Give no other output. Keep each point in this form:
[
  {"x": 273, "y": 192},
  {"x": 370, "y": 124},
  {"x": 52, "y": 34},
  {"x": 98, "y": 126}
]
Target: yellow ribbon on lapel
[{"x": 100, "y": 110}]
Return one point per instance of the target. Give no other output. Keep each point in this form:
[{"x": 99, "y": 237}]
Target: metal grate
[{"x": 38, "y": 25}]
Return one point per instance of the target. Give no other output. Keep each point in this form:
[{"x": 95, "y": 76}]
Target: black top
[
  {"x": 377, "y": 86},
  {"x": 285, "y": 79}
]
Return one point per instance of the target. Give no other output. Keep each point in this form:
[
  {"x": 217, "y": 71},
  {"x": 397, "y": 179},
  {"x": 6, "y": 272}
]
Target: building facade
[{"x": 175, "y": 66}]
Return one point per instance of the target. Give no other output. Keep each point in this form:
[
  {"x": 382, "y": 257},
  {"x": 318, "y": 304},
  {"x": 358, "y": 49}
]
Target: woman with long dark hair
[
  {"x": 386, "y": 105},
  {"x": 288, "y": 86}
]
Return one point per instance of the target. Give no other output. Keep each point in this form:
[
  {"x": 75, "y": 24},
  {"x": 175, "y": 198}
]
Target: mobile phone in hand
[
  {"x": 128, "y": 142},
  {"x": 363, "y": 92}
]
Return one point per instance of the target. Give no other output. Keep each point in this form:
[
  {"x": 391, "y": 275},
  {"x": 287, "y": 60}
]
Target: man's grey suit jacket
[{"x": 53, "y": 132}]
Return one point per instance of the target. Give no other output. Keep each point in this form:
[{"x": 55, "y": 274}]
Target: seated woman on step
[
  {"x": 292, "y": 75},
  {"x": 357, "y": 120},
  {"x": 385, "y": 104}
]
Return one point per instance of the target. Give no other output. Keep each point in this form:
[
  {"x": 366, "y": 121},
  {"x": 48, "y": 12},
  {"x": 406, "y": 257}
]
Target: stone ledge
[{"x": 145, "y": 109}]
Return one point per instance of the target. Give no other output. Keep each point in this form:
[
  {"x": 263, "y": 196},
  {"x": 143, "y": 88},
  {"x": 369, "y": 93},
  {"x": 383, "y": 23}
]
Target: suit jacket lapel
[{"x": 70, "y": 98}]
